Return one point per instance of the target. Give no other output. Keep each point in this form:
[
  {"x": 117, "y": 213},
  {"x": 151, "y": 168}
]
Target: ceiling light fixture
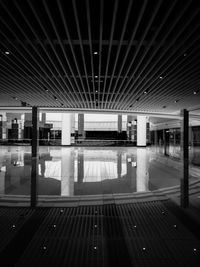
[
  {"x": 7, "y": 52},
  {"x": 145, "y": 92},
  {"x": 194, "y": 92},
  {"x": 161, "y": 77},
  {"x": 176, "y": 101},
  {"x": 95, "y": 53},
  {"x": 96, "y": 76}
]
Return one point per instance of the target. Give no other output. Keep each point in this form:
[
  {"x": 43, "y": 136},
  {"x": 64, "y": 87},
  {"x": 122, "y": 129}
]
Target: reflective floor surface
[{"x": 75, "y": 171}]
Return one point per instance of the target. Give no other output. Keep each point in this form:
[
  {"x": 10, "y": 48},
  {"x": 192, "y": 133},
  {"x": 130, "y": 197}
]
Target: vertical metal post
[
  {"x": 185, "y": 158},
  {"x": 34, "y": 157},
  {"x": 164, "y": 142}
]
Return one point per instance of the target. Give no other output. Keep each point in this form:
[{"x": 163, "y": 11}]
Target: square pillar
[
  {"x": 119, "y": 123},
  {"x": 34, "y": 156},
  {"x": 66, "y": 129},
  {"x": 185, "y": 158},
  {"x": 141, "y": 131},
  {"x": 81, "y": 131}
]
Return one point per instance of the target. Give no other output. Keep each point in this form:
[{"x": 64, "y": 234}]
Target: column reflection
[
  {"x": 67, "y": 172},
  {"x": 142, "y": 173}
]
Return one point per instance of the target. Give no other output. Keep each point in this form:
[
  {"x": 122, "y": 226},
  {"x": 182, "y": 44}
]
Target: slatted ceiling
[{"x": 52, "y": 45}]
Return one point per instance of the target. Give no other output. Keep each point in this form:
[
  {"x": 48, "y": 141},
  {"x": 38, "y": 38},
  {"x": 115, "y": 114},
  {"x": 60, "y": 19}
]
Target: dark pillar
[
  {"x": 155, "y": 138},
  {"x": 119, "y": 122},
  {"x": 34, "y": 170},
  {"x": 184, "y": 158},
  {"x": 43, "y": 118},
  {"x": 164, "y": 142},
  {"x": 81, "y": 131}
]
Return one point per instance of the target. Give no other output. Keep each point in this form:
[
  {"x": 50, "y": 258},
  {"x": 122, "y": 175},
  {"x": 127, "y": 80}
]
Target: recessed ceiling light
[
  {"x": 194, "y": 92},
  {"x": 145, "y": 92},
  {"x": 96, "y": 91},
  {"x": 96, "y": 76},
  {"x": 46, "y": 90},
  {"x": 95, "y": 53},
  {"x": 7, "y": 52},
  {"x": 185, "y": 54},
  {"x": 161, "y": 77},
  {"x": 15, "y": 98},
  {"x": 176, "y": 101}
]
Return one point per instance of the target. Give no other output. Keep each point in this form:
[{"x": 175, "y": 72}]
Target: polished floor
[{"x": 84, "y": 171}]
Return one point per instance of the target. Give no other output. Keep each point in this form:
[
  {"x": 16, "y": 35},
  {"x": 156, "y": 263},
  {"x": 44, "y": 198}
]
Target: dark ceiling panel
[{"x": 119, "y": 55}]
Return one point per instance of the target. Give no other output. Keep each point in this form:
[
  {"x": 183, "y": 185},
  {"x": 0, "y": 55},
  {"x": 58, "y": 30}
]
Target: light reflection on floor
[{"x": 77, "y": 171}]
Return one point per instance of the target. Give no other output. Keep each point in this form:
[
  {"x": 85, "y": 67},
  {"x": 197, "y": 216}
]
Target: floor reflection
[{"x": 86, "y": 171}]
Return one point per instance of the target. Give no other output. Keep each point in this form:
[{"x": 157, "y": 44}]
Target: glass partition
[
  {"x": 194, "y": 158},
  {"x": 90, "y": 169}
]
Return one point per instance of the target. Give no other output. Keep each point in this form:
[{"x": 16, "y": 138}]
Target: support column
[
  {"x": 34, "y": 156},
  {"x": 185, "y": 158},
  {"x": 4, "y": 124},
  {"x": 43, "y": 118},
  {"x": 155, "y": 138},
  {"x": 129, "y": 127},
  {"x": 66, "y": 129},
  {"x": 72, "y": 128},
  {"x": 141, "y": 131},
  {"x": 164, "y": 142},
  {"x": 81, "y": 131},
  {"x": 119, "y": 123}
]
